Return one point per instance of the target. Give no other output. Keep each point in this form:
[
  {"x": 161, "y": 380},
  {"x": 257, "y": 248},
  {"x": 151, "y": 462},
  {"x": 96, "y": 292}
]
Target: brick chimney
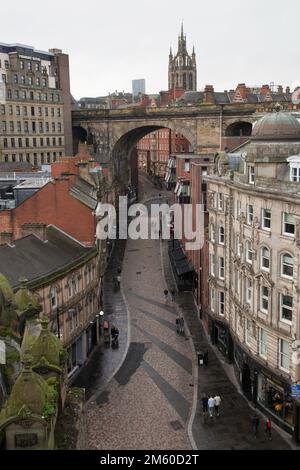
[
  {"x": 6, "y": 238},
  {"x": 35, "y": 228},
  {"x": 242, "y": 90},
  {"x": 288, "y": 90},
  {"x": 265, "y": 89},
  {"x": 209, "y": 94},
  {"x": 280, "y": 90}
]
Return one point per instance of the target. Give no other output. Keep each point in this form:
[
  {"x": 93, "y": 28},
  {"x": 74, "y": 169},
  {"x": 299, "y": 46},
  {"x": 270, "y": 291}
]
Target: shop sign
[{"x": 295, "y": 391}]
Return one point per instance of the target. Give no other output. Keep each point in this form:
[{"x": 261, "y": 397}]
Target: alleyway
[{"x": 149, "y": 402}]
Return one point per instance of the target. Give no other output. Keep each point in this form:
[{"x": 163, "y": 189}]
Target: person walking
[
  {"x": 255, "y": 425},
  {"x": 181, "y": 324},
  {"x": 268, "y": 428},
  {"x": 166, "y": 293},
  {"x": 173, "y": 294},
  {"x": 217, "y": 404},
  {"x": 204, "y": 401},
  {"x": 211, "y": 406},
  {"x": 178, "y": 325}
]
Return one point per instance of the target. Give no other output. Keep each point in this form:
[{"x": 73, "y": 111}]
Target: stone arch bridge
[{"x": 113, "y": 134}]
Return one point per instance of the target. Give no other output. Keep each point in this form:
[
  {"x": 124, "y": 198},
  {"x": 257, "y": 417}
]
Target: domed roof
[{"x": 277, "y": 126}]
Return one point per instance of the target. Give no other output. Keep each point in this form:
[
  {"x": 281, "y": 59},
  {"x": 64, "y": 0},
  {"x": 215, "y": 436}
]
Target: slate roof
[
  {"x": 84, "y": 192},
  {"x": 32, "y": 258}
]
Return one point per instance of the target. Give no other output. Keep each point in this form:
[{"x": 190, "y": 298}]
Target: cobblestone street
[{"x": 150, "y": 401}]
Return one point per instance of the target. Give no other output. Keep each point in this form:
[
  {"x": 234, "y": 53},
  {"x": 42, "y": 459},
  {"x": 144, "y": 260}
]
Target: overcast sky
[{"x": 111, "y": 42}]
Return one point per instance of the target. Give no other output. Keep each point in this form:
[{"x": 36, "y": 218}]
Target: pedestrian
[
  {"x": 119, "y": 270},
  {"x": 173, "y": 293},
  {"x": 205, "y": 358},
  {"x": 217, "y": 404},
  {"x": 181, "y": 323},
  {"x": 166, "y": 292},
  {"x": 255, "y": 425},
  {"x": 268, "y": 428},
  {"x": 204, "y": 401},
  {"x": 178, "y": 325},
  {"x": 211, "y": 406}
]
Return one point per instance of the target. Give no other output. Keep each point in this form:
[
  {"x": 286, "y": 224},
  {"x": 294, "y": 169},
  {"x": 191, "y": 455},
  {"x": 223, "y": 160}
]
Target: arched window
[
  {"x": 265, "y": 258},
  {"x": 287, "y": 265}
]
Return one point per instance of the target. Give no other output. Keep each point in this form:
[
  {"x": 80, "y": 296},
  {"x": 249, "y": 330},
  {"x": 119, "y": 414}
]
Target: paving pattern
[{"x": 147, "y": 404}]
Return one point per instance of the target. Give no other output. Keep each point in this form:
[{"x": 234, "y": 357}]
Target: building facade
[
  {"x": 254, "y": 220},
  {"x": 35, "y": 107}
]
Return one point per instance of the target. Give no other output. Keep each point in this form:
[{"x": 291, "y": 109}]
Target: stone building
[
  {"x": 65, "y": 276},
  {"x": 254, "y": 282},
  {"x": 35, "y": 106},
  {"x": 182, "y": 67}
]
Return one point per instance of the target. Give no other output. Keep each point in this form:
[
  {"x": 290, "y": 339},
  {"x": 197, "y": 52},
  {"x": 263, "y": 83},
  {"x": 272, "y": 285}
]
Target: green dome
[
  {"x": 29, "y": 395},
  {"x": 6, "y": 289},
  {"x": 46, "y": 350},
  {"x": 25, "y": 300}
]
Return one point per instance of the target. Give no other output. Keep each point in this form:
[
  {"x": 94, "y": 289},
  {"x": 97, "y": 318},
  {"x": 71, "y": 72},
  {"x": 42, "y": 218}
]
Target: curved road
[{"x": 147, "y": 404}]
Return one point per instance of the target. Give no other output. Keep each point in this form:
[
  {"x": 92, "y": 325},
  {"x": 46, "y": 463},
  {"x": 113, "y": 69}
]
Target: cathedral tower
[{"x": 182, "y": 67}]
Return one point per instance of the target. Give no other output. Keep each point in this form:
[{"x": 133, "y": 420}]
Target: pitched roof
[
  {"x": 84, "y": 192},
  {"x": 33, "y": 258}
]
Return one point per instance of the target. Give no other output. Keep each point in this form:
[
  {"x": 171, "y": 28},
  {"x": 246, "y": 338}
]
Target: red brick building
[{"x": 68, "y": 202}]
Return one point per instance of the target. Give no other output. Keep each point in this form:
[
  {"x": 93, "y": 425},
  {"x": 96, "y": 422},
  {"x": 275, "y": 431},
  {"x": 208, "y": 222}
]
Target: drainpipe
[{"x": 221, "y": 125}]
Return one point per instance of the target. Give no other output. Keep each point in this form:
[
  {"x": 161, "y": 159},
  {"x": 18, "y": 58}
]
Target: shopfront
[
  {"x": 221, "y": 337},
  {"x": 274, "y": 396}
]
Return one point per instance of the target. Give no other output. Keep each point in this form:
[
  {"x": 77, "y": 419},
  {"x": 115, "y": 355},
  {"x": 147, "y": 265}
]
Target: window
[
  {"x": 237, "y": 282},
  {"x": 288, "y": 227},
  {"x": 238, "y": 245},
  {"x": 22, "y": 64},
  {"x": 23, "y": 79},
  {"x": 29, "y": 66},
  {"x": 249, "y": 252},
  {"x": 212, "y": 264},
  {"x": 18, "y": 110},
  {"x": 220, "y": 201},
  {"x": 6, "y": 64},
  {"x": 53, "y": 297},
  {"x": 30, "y": 81},
  {"x": 37, "y": 67},
  {"x": 295, "y": 174},
  {"x": 26, "y": 128},
  {"x": 52, "y": 112},
  {"x": 15, "y": 79},
  {"x": 221, "y": 303},
  {"x": 284, "y": 355},
  {"x": 59, "y": 127},
  {"x": 263, "y": 338},
  {"x": 10, "y": 110},
  {"x": 249, "y": 214},
  {"x": 287, "y": 265},
  {"x": 221, "y": 268},
  {"x": 221, "y": 235},
  {"x": 3, "y": 126},
  {"x": 41, "y": 127},
  {"x": 37, "y": 81},
  {"x": 19, "y": 126},
  {"x": 266, "y": 219},
  {"x": 212, "y": 299},
  {"x": 44, "y": 82},
  {"x": 265, "y": 259},
  {"x": 286, "y": 308},
  {"x": 212, "y": 233},
  {"x": 248, "y": 334},
  {"x": 238, "y": 209},
  {"x": 264, "y": 299},
  {"x": 249, "y": 289},
  {"x": 25, "y": 110},
  {"x": 251, "y": 174}
]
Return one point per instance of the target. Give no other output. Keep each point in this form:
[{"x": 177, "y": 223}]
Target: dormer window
[{"x": 294, "y": 163}]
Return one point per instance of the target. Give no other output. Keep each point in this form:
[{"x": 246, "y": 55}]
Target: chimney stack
[{"x": 209, "y": 94}]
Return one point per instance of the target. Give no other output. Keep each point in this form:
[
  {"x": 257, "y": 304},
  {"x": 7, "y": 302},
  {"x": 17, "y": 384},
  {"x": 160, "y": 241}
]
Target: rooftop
[{"x": 33, "y": 258}]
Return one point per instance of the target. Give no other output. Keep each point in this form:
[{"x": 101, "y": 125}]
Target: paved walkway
[
  {"x": 147, "y": 404},
  {"x": 232, "y": 429}
]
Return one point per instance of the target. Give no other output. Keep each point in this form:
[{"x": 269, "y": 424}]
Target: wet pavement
[
  {"x": 151, "y": 402},
  {"x": 147, "y": 404},
  {"x": 105, "y": 361}
]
